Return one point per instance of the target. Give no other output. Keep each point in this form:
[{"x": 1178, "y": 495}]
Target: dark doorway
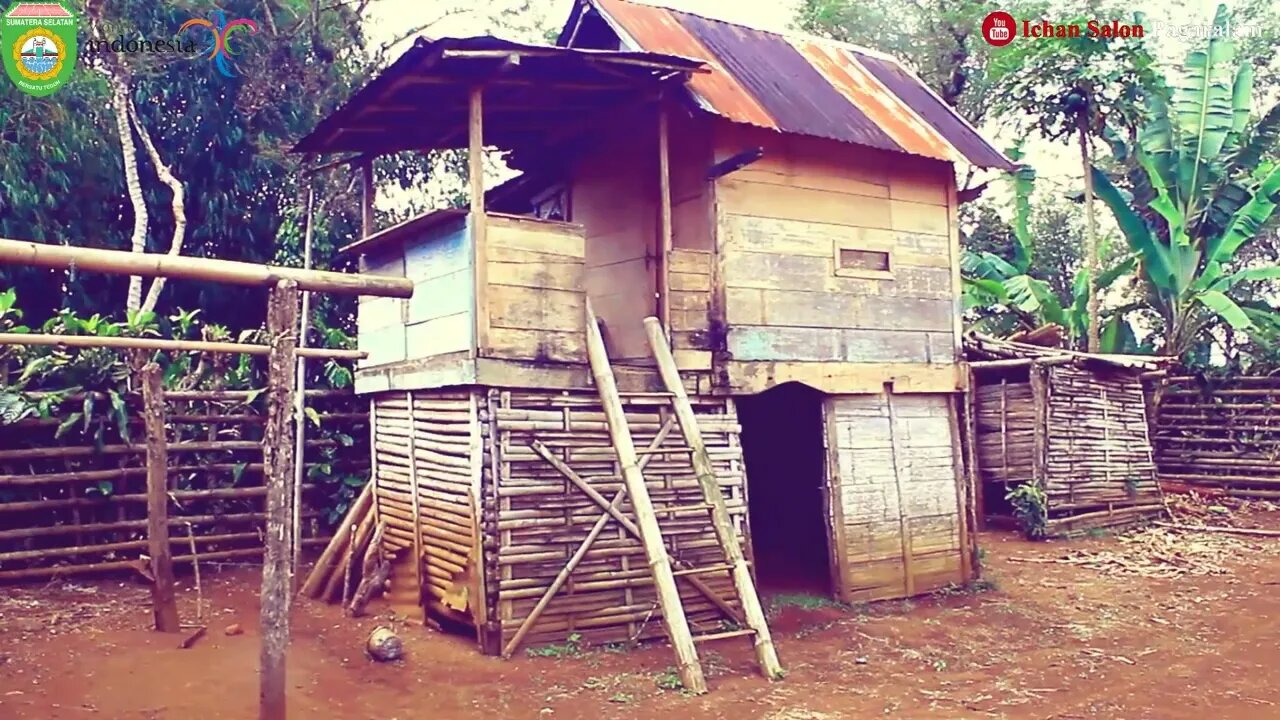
[{"x": 783, "y": 450}]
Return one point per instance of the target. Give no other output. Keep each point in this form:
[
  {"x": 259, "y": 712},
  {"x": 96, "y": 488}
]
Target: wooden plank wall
[
  {"x": 542, "y": 518},
  {"x": 781, "y": 220},
  {"x": 877, "y": 451},
  {"x": 691, "y": 298},
  {"x": 1005, "y": 415},
  {"x": 536, "y": 291},
  {"x": 614, "y": 197},
  {"x": 441, "y": 467},
  {"x": 437, "y": 320}
]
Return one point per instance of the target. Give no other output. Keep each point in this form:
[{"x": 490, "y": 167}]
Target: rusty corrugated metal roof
[{"x": 804, "y": 85}]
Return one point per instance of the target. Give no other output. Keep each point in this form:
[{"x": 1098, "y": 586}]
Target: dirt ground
[{"x": 1049, "y": 640}]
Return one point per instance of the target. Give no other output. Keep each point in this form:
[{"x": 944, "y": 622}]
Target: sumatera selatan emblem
[{"x": 38, "y": 40}]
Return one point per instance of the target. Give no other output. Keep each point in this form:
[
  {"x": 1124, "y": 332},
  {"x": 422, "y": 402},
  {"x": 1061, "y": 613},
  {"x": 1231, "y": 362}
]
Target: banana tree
[
  {"x": 1007, "y": 287},
  {"x": 1204, "y": 183}
]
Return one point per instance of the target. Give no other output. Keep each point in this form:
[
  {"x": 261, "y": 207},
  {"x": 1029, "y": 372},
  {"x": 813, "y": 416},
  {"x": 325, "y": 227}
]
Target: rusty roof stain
[{"x": 803, "y": 85}]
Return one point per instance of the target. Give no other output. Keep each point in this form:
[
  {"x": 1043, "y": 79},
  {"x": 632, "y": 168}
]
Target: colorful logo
[
  {"x": 219, "y": 49},
  {"x": 38, "y": 42},
  {"x": 999, "y": 28}
]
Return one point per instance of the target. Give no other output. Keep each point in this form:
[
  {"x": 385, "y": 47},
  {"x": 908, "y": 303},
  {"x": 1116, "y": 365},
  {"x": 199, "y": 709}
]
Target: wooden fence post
[
  {"x": 164, "y": 606},
  {"x": 278, "y": 458}
]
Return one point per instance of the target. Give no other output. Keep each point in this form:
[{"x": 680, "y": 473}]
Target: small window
[{"x": 863, "y": 261}]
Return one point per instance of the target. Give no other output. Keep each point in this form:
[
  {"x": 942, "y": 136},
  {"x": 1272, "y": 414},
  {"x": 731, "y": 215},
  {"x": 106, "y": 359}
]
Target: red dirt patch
[{"x": 1053, "y": 641}]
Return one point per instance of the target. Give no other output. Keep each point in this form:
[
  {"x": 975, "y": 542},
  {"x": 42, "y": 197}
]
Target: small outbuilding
[
  {"x": 785, "y": 206},
  {"x": 1072, "y": 426}
]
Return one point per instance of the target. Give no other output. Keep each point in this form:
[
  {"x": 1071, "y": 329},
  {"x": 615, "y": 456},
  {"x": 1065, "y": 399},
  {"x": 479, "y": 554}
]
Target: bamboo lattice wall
[
  {"x": 1080, "y": 434},
  {"x": 1224, "y": 437},
  {"x": 536, "y": 518},
  {"x": 78, "y": 508},
  {"x": 498, "y": 522}
]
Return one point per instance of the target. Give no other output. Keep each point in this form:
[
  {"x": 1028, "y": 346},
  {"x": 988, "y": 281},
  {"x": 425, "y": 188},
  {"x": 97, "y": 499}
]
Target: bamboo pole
[
  {"x": 300, "y": 398},
  {"x": 673, "y": 616},
  {"x": 64, "y": 257},
  {"x": 904, "y": 522},
  {"x": 766, "y": 654},
  {"x": 282, "y": 325},
  {"x": 330, "y": 558},
  {"x": 129, "y": 343},
  {"x": 164, "y": 606},
  {"x": 664, "y": 220}
]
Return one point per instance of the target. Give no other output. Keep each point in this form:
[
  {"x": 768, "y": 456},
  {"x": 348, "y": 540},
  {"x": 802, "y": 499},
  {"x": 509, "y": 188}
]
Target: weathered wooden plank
[
  {"x": 537, "y": 344},
  {"x": 533, "y": 235},
  {"x": 553, "y": 275},
  {"x": 439, "y": 336},
  {"x": 447, "y": 294},
  {"x": 793, "y": 343},
  {"x": 919, "y": 217},
  {"x": 792, "y": 203},
  {"x": 535, "y": 309}
]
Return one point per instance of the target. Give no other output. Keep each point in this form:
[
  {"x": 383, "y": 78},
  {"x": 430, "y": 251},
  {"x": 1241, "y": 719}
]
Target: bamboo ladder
[{"x": 682, "y": 639}]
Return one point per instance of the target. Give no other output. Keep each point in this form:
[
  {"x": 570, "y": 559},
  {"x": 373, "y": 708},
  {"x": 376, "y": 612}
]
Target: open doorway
[{"x": 783, "y": 450}]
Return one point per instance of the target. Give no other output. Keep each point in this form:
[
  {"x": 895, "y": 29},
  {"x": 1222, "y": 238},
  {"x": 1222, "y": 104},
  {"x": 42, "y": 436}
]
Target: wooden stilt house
[
  {"x": 785, "y": 206},
  {"x": 1073, "y": 425}
]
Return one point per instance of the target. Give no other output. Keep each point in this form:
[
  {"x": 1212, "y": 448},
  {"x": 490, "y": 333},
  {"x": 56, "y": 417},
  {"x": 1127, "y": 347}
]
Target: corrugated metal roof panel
[
  {"x": 805, "y": 86},
  {"x": 932, "y": 110},
  {"x": 718, "y": 91},
  {"x": 792, "y": 91}
]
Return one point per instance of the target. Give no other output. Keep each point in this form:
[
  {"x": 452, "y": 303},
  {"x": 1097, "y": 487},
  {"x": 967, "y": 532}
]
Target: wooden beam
[
  {"x": 664, "y": 218},
  {"x": 766, "y": 654},
  {"x": 479, "y": 229},
  {"x": 65, "y": 257},
  {"x": 664, "y": 580},
  {"x": 900, "y": 464},
  {"x": 277, "y": 452},
  {"x": 734, "y": 163},
  {"x": 366, "y": 198},
  {"x": 164, "y": 606},
  {"x": 96, "y": 341}
]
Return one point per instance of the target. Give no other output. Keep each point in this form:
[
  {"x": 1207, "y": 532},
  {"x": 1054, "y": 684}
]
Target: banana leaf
[
  {"x": 986, "y": 265},
  {"x": 1262, "y": 139},
  {"x": 1248, "y": 221},
  {"x": 1156, "y": 138},
  {"x": 1117, "y": 336},
  {"x": 1225, "y": 308},
  {"x": 1155, "y": 255},
  {"x": 1203, "y": 111},
  {"x": 1035, "y": 297}
]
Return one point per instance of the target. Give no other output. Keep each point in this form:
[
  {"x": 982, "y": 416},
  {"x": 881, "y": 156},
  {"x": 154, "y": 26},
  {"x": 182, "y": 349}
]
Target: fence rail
[
  {"x": 70, "y": 506},
  {"x": 1219, "y": 435}
]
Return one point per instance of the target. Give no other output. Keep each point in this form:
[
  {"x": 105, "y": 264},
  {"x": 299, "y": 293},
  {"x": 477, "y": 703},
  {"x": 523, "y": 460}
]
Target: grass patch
[
  {"x": 621, "y": 698},
  {"x": 571, "y": 647},
  {"x": 973, "y": 587},
  {"x": 804, "y": 601},
  {"x": 668, "y": 679}
]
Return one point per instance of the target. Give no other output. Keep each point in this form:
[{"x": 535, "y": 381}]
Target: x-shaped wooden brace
[{"x": 611, "y": 510}]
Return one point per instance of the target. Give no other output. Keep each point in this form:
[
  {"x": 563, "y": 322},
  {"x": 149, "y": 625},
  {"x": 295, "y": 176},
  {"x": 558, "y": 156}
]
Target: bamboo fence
[
  {"x": 502, "y": 510},
  {"x": 1079, "y": 433},
  {"x": 1221, "y": 436},
  {"x": 70, "y": 508}
]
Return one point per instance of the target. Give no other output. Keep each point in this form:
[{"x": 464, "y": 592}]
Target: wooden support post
[
  {"x": 766, "y": 654},
  {"x": 664, "y": 580},
  {"x": 664, "y": 224},
  {"x": 331, "y": 559},
  {"x": 478, "y": 220},
  {"x": 277, "y": 451},
  {"x": 415, "y": 501},
  {"x": 366, "y": 198},
  {"x": 164, "y": 606}
]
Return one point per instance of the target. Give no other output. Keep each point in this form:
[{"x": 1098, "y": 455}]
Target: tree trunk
[
  {"x": 179, "y": 210},
  {"x": 138, "y": 242},
  {"x": 278, "y": 458},
  {"x": 1093, "y": 260},
  {"x": 164, "y": 606}
]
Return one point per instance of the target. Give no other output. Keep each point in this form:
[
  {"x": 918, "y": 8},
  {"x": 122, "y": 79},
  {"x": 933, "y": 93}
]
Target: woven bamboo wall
[
  {"x": 1222, "y": 436},
  {"x": 68, "y": 506},
  {"x": 1005, "y": 414},
  {"x": 443, "y": 453},
  {"x": 1098, "y": 457},
  {"x": 536, "y": 519}
]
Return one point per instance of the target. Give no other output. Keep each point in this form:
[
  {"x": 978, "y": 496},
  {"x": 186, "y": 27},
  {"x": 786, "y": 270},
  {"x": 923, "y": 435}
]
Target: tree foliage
[{"x": 1203, "y": 182}]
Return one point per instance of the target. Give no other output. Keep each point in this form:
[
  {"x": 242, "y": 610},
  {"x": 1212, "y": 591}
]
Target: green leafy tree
[{"x": 1204, "y": 183}]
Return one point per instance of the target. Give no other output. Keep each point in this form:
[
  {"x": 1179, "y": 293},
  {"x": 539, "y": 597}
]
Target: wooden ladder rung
[
  {"x": 709, "y": 569},
  {"x": 743, "y": 632}
]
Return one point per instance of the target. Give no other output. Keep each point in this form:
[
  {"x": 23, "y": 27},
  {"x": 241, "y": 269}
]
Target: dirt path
[{"x": 1051, "y": 641}]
